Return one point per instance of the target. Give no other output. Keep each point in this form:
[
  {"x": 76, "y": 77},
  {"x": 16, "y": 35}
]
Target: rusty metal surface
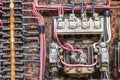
[
  {"x": 115, "y": 17},
  {"x": 48, "y": 16}
]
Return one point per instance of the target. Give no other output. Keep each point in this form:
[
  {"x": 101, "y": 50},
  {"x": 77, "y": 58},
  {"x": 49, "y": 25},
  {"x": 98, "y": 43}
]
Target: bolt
[
  {"x": 54, "y": 45},
  {"x": 53, "y": 51},
  {"x": 103, "y": 50},
  {"x": 54, "y": 69},
  {"x": 61, "y": 57},
  {"x": 79, "y": 70},
  {"x": 102, "y": 44}
]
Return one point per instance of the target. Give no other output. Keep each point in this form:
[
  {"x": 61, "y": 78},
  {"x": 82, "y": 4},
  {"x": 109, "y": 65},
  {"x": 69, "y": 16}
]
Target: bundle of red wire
[{"x": 42, "y": 40}]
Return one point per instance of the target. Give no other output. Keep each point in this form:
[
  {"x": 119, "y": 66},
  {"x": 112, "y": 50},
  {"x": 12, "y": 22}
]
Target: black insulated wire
[
  {"x": 73, "y": 6},
  {"x": 41, "y": 29},
  {"x": 83, "y": 6},
  {"x": 47, "y": 2},
  {"x": 105, "y": 30},
  {"x": 106, "y": 14},
  {"x": 93, "y": 3},
  {"x": 69, "y": 1},
  {"x": 103, "y": 76}
]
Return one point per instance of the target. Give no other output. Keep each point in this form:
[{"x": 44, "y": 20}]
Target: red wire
[
  {"x": 62, "y": 10},
  {"x": 71, "y": 49},
  {"x": 42, "y": 47},
  {"x": 1, "y": 23},
  {"x": 66, "y": 45},
  {"x": 42, "y": 41},
  {"x": 41, "y": 56},
  {"x": 78, "y": 65},
  {"x": 59, "y": 11},
  {"x": 38, "y": 14},
  {"x": 44, "y": 50},
  {"x": 54, "y": 7},
  {"x": 109, "y": 2},
  {"x": 65, "y": 7},
  {"x": 34, "y": 11}
]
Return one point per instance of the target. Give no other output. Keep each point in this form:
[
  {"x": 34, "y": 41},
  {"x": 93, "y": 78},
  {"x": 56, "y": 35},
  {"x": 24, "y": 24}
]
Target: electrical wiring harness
[{"x": 79, "y": 46}]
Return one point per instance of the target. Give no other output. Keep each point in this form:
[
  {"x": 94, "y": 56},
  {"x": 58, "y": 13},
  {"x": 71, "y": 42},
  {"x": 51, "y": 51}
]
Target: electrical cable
[
  {"x": 44, "y": 56},
  {"x": 41, "y": 23},
  {"x": 93, "y": 3},
  {"x": 62, "y": 10},
  {"x": 71, "y": 49},
  {"x": 109, "y": 2},
  {"x": 108, "y": 30},
  {"x": 83, "y": 9},
  {"x": 47, "y": 2},
  {"x": 1, "y": 23},
  {"x": 41, "y": 57},
  {"x": 59, "y": 10},
  {"x": 34, "y": 11},
  {"x": 65, "y": 45},
  {"x": 104, "y": 30},
  {"x": 54, "y": 7},
  {"x": 42, "y": 52},
  {"x": 40, "y": 18},
  {"x": 44, "y": 39},
  {"x": 69, "y": 45},
  {"x": 104, "y": 75},
  {"x": 73, "y": 6},
  {"x": 78, "y": 65},
  {"x": 107, "y": 76}
]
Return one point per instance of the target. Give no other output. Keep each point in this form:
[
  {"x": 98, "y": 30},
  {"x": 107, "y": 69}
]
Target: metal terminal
[
  {"x": 61, "y": 23},
  {"x": 73, "y": 22},
  {"x": 97, "y": 21},
  {"x": 53, "y": 50},
  {"x": 103, "y": 44},
  {"x": 84, "y": 21},
  {"x": 104, "y": 53},
  {"x": 74, "y": 25}
]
